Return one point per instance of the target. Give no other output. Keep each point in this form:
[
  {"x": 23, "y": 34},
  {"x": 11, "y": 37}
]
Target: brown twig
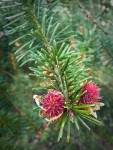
[
  {"x": 88, "y": 15},
  {"x": 8, "y": 73}
]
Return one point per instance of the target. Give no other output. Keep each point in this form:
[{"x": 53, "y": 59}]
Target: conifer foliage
[{"x": 71, "y": 96}]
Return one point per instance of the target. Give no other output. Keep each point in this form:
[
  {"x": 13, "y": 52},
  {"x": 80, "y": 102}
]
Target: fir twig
[{"x": 88, "y": 15}]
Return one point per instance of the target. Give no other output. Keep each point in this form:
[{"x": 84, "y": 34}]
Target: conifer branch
[
  {"x": 89, "y": 16},
  {"x": 69, "y": 93},
  {"x": 107, "y": 50},
  {"x": 34, "y": 20}
]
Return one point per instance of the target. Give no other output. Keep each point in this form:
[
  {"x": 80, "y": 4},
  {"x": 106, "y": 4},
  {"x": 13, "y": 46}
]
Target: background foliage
[{"x": 19, "y": 121}]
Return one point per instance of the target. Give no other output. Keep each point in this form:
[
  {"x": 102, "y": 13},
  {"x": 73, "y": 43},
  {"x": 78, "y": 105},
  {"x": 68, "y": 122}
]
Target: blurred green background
[{"x": 20, "y": 126}]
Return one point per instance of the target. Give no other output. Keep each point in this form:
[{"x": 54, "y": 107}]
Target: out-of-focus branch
[
  {"x": 6, "y": 96},
  {"x": 88, "y": 15},
  {"x": 8, "y": 73},
  {"x": 107, "y": 50}
]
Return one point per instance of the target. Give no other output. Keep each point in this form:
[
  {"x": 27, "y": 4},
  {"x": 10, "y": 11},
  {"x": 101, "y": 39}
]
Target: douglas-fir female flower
[
  {"x": 51, "y": 105},
  {"x": 91, "y": 96}
]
